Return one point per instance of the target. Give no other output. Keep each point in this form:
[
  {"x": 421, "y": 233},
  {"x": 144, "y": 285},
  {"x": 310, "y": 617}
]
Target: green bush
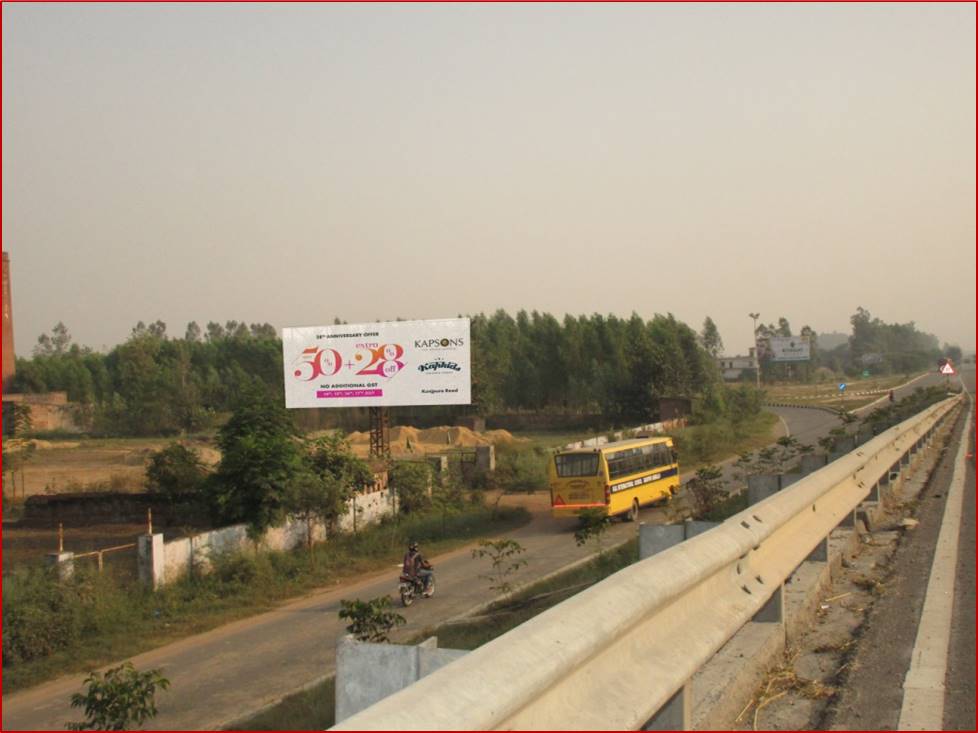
[
  {"x": 175, "y": 470},
  {"x": 40, "y": 615},
  {"x": 412, "y": 482},
  {"x": 521, "y": 470}
]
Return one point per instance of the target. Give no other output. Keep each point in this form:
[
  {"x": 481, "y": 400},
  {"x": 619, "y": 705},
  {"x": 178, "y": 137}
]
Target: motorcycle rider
[{"x": 415, "y": 566}]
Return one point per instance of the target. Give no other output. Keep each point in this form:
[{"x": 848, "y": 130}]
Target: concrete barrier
[
  {"x": 367, "y": 673},
  {"x": 619, "y": 654}
]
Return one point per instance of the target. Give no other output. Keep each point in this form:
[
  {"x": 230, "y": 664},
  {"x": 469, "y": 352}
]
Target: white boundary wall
[{"x": 193, "y": 553}]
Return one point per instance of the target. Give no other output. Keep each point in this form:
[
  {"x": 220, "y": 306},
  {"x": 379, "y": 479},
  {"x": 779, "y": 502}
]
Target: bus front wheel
[{"x": 633, "y": 512}]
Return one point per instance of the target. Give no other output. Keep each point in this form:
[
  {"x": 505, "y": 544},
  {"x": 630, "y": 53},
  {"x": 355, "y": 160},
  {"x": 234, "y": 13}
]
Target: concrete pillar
[
  {"x": 675, "y": 714},
  {"x": 820, "y": 553},
  {"x": 849, "y": 520},
  {"x": 773, "y": 610},
  {"x": 151, "y": 559},
  {"x": 654, "y": 538},
  {"x": 761, "y": 487},
  {"x": 439, "y": 467},
  {"x": 812, "y": 462},
  {"x": 485, "y": 458},
  {"x": 64, "y": 563},
  {"x": 874, "y": 492},
  {"x": 367, "y": 673},
  {"x": 693, "y": 527},
  {"x": 786, "y": 479}
]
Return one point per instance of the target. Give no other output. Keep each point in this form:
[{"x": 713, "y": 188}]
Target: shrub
[
  {"x": 40, "y": 615},
  {"x": 120, "y": 700},
  {"x": 707, "y": 489},
  {"x": 370, "y": 620},
  {"x": 175, "y": 470},
  {"x": 521, "y": 470},
  {"x": 412, "y": 481}
]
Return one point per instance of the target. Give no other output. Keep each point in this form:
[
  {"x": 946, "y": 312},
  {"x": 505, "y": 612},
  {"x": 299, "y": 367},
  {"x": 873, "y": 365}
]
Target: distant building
[{"x": 733, "y": 367}]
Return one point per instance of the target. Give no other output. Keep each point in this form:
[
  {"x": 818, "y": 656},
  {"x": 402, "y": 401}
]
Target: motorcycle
[{"x": 410, "y": 588}]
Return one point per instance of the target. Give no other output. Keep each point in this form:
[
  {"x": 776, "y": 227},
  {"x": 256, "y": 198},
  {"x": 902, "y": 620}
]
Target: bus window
[{"x": 577, "y": 464}]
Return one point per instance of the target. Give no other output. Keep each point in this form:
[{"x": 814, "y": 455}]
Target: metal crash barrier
[{"x": 615, "y": 654}]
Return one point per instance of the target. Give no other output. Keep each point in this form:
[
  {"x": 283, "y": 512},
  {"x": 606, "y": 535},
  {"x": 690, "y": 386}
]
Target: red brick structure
[{"x": 8, "y": 327}]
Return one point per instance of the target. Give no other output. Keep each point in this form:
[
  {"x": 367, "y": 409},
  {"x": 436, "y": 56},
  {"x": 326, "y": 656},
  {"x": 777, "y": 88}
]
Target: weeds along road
[{"x": 234, "y": 671}]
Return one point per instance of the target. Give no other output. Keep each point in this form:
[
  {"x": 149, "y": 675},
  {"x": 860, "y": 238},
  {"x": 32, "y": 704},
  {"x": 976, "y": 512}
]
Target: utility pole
[{"x": 757, "y": 354}]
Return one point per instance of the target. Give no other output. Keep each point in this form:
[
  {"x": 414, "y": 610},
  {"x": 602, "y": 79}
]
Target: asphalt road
[{"x": 235, "y": 670}]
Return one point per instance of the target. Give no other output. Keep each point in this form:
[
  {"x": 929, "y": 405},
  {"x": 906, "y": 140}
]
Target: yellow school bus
[{"x": 617, "y": 477}]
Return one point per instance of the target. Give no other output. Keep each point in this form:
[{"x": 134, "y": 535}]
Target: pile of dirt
[
  {"x": 19, "y": 444},
  {"x": 406, "y": 439}
]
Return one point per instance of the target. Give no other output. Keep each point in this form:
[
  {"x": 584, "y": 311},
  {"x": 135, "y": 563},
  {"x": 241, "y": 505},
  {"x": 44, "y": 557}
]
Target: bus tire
[{"x": 633, "y": 512}]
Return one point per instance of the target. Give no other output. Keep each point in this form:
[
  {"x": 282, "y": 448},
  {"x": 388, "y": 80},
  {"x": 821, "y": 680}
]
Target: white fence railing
[{"x": 612, "y": 656}]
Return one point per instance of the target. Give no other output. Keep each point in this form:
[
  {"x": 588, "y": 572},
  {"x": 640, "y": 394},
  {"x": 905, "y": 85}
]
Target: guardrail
[{"x": 614, "y": 655}]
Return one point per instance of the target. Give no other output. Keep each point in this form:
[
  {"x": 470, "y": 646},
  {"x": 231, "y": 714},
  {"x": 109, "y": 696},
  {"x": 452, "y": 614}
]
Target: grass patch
[
  {"x": 530, "y": 602},
  {"x": 827, "y": 394},
  {"x": 53, "y": 628},
  {"x": 701, "y": 445},
  {"x": 313, "y": 709}
]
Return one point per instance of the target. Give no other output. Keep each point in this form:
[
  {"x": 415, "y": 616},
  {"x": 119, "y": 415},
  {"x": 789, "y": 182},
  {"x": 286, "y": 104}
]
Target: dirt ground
[
  {"x": 799, "y": 692},
  {"x": 407, "y": 441},
  {"x": 120, "y": 465}
]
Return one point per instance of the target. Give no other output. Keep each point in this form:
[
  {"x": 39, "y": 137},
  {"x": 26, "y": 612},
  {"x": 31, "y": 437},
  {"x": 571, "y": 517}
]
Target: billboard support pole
[{"x": 380, "y": 444}]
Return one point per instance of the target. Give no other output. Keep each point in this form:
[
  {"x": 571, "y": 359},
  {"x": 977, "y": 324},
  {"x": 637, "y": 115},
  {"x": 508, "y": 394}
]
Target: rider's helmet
[{"x": 413, "y": 546}]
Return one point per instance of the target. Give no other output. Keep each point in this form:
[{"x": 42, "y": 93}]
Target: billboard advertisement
[
  {"x": 788, "y": 348},
  {"x": 378, "y": 364}
]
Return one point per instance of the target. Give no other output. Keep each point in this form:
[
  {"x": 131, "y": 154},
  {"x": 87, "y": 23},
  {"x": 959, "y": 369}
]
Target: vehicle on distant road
[{"x": 618, "y": 478}]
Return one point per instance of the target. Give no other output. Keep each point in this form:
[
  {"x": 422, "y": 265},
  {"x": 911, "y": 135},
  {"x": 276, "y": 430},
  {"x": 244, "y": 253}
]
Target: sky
[{"x": 292, "y": 164}]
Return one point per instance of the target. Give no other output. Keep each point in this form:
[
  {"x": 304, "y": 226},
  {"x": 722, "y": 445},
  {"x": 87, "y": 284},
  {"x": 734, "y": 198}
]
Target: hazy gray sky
[{"x": 291, "y": 164}]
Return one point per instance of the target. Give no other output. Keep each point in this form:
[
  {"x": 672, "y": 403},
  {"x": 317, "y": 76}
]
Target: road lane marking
[{"x": 923, "y": 687}]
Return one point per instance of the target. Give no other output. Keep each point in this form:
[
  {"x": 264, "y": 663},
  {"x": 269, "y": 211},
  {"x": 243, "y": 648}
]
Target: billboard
[
  {"x": 378, "y": 364},
  {"x": 788, "y": 348}
]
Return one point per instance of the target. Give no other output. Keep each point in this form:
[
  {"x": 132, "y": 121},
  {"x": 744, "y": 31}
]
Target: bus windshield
[{"x": 577, "y": 464}]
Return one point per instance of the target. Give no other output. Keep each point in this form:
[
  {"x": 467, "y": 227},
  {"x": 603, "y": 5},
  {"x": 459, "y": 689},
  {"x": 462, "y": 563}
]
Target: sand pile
[
  {"x": 406, "y": 439},
  {"x": 19, "y": 444}
]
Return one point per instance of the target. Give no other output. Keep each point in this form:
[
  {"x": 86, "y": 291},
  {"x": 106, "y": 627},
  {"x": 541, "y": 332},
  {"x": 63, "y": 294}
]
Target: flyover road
[
  {"x": 234, "y": 671},
  {"x": 902, "y": 632}
]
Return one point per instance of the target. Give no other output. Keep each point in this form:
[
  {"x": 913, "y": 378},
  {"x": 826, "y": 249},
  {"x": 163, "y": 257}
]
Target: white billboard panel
[
  {"x": 378, "y": 364},
  {"x": 789, "y": 348}
]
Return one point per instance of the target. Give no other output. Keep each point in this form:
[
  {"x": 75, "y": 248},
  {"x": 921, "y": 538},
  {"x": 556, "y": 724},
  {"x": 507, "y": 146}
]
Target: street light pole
[{"x": 757, "y": 355}]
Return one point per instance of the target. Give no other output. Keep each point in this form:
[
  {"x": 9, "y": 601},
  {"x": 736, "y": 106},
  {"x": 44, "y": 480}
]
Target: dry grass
[{"x": 782, "y": 681}]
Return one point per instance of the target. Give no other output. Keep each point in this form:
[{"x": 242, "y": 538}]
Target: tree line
[{"x": 157, "y": 384}]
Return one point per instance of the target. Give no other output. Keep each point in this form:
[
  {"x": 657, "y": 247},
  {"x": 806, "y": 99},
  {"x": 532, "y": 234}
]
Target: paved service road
[{"x": 231, "y": 672}]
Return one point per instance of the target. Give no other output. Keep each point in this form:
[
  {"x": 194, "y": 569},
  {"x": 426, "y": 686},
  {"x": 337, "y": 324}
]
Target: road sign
[
  {"x": 947, "y": 369},
  {"x": 842, "y": 386}
]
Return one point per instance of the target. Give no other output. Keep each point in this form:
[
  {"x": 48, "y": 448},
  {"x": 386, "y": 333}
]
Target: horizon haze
[{"x": 293, "y": 164}]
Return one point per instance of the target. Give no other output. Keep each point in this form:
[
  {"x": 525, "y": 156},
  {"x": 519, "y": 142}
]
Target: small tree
[
  {"x": 707, "y": 489},
  {"x": 120, "y": 700},
  {"x": 260, "y": 457},
  {"x": 710, "y": 338},
  {"x": 175, "y": 470},
  {"x": 370, "y": 620},
  {"x": 333, "y": 456},
  {"x": 412, "y": 481},
  {"x": 502, "y": 554},
  {"x": 310, "y": 497},
  {"x": 593, "y": 523},
  {"x": 787, "y": 451}
]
